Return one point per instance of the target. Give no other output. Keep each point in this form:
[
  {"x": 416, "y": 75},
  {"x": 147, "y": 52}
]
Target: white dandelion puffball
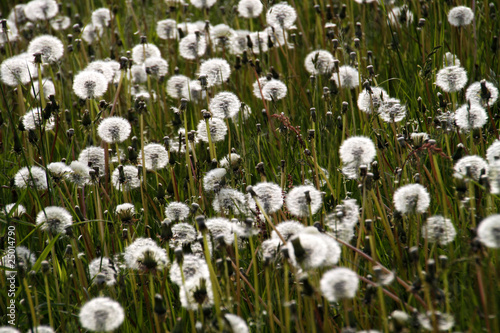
[
  {"x": 15, "y": 210},
  {"x": 156, "y": 66},
  {"x": 287, "y": 229},
  {"x": 319, "y": 62},
  {"x": 17, "y": 70},
  {"x": 128, "y": 181},
  {"x": 167, "y": 29},
  {"x": 101, "y": 314},
  {"x": 42, "y": 329},
  {"x": 203, "y": 3},
  {"x": 176, "y": 85},
  {"x": 470, "y": 118},
  {"x": 358, "y": 149},
  {"x": 229, "y": 200},
  {"x": 349, "y": 77},
  {"x": 274, "y": 90},
  {"x": 90, "y": 84},
  {"x": 239, "y": 41},
  {"x": 139, "y": 74},
  {"x": 9, "y": 33},
  {"x": 193, "y": 267},
  {"x": 371, "y": 102},
  {"x": 23, "y": 255},
  {"x": 101, "y": 17},
  {"x": 221, "y": 227},
  {"x": 192, "y": 46},
  {"x": 91, "y": 33},
  {"x": 33, "y": 120},
  {"x": 106, "y": 267},
  {"x": 270, "y": 247},
  {"x": 470, "y": 166},
  {"x": 488, "y": 231},
  {"x": 94, "y": 157},
  {"x": 177, "y": 211},
  {"x": 307, "y": 251},
  {"x": 237, "y": 324},
  {"x": 268, "y": 195},
  {"x": 41, "y": 10},
  {"x": 339, "y": 283},
  {"x": 218, "y": 130},
  {"x": 450, "y": 59},
  {"x": 203, "y": 291},
  {"x": 493, "y": 152},
  {"x": 217, "y": 71},
  {"x": 224, "y": 105},
  {"x": 220, "y": 35},
  {"x": 48, "y": 89},
  {"x": 103, "y": 67},
  {"x": 346, "y": 213},
  {"x": 259, "y": 42},
  {"x": 411, "y": 198},
  {"x": 392, "y": 111},
  {"x": 193, "y": 91},
  {"x": 439, "y": 229},
  {"x": 250, "y": 8},
  {"x": 483, "y": 93},
  {"x": 54, "y": 219},
  {"x": 114, "y": 129},
  {"x": 156, "y": 156},
  {"x": 33, "y": 177},
  {"x": 460, "y": 16},
  {"x": 400, "y": 15},
  {"x": 213, "y": 177},
  {"x": 300, "y": 198},
  {"x": 494, "y": 177},
  {"x": 451, "y": 78},
  {"x": 259, "y": 85},
  {"x": 444, "y": 321},
  {"x": 51, "y": 48},
  {"x": 141, "y": 52},
  {"x": 182, "y": 234},
  {"x": 281, "y": 15},
  {"x": 145, "y": 254},
  {"x": 80, "y": 174}
]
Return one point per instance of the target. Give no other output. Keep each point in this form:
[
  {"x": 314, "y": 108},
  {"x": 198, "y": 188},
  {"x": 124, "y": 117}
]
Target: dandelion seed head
[
  {"x": 349, "y": 77},
  {"x": 274, "y": 90},
  {"x": 23, "y": 256},
  {"x": 488, "y": 231},
  {"x": 476, "y": 95},
  {"x": 218, "y": 130},
  {"x": 212, "y": 178},
  {"x": 439, "y": 229},
  {"x": 156, "y": 66},
  {"x": 145, "y": 254},
  {"x": 347, "y": 213},
  {"x": 93, "y": 156},
  {"x": 114, "y": 129},
  {"x": 237, "y": 324},
  {"x": 297, "y": 202},
  {"x": 450, "y": 59},
  {"x": 281, "y": 15},
  {"x": 451, "y": 78},
  {"x": 90, "y": 84},
  {"x": 193, "y": 91},
  {"x": 33, "y": 177},
  {"x": 41, "y": 10},
  {"x": 269, "y": 248},
  {"x": 392, "y": 111},
  {"x": 313, "y": 250},
  {"x": 339, "y": 283},
  {"x": 220, "y": 36},
  {"x": 156, "y": 156},
  {"x": 400, "y": 15},
  {"x": 358, "y": 149},
  {"x": 139, "y": 74},
  {"x": 319, "y": 62},
  {"x": 41, "y": 329},
  {"x": 51, "y": 48},
  {"x": 80, "y": 174},
  {"x": 125, "y": 212},
  {"x": 167, "y": 29},
  {"x": 17, "y": 70},
  {"x": 176, "y": 84},
  {"x": 217, "y": 71},
  {"x": 333, "y": 250},
  {"x": 203, "y": 3},
  {"x": 196, "y": 293},
  {"x": 129, "y": 181},
  {"x": 229, "y": 200},
  {"x": 230, "y": 161},
  {"x": 493, "y": 152},
  {"x": 13, "y": 210},
  {"x": 371, "y": 103},
  {"x": 58, "y": 170},
  {"x": 259, "y": 85},
  {"x": 224, "y": 105},
  {"x": 101, "y": 17},
  {"x": 106, "y": 267},
  {"x": 259, "y": 42},
  {"x": 342, "y": 231},
  {"x": 101, "y": 314},
  {"x": 411, "y": 198},
  {"x": 177, "y": 211},
  {"x": 91, "y": 33},
  {"x": 444, "y": 321},
  {"x": 33, "y": 120},
  {"x": 103, "y": 67},
  {"x": 250, "y": 8},
  {"x": 9, "y": 33},
  {"x": 494, "y": 177},
  {"x": 54, "y": 219},
  {"x": 17, "y": 14},
  {"x": 268, "y": 195},
  {"x": 141, "y": 52},
  {"x": 219, "y": 226},
  {"x": 468, "y": 118},
  {"x": 238, "y": 41},
  {"x": 193, "y": 267},
  {"x": 192, "y": 47},
  {"x": 476, "y": 165},
  {"x": 48, "y": 89},
  {"x": 182, "y": 234},
  {"x": 460, "y": 16}
]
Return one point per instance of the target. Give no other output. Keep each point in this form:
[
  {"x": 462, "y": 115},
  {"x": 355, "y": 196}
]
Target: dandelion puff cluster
[
  {"x": 444, "y": 321},
  {"x": 493, "y": 152},
  {"x": 141, "y": 52},
  {"x": 229, "y": 200},
  {"x": 48, "y": 89},
  {"x": 145, "y": 254},
  {"x": 224, "y": 105},
  {"x": 155, "y": 156},
  {"x": 287, "y": 229},
  {"x": 93, "y": 156},
  {"x": 483, "y": 93},
  {"x": 488, "y": 231},
  {"x": 17, "y": 70},
  {"x": 34, "y": 120},
  {"x": 31, "y": 177},
  {"x": 128, "y": 181},
  {"x": 101, "y": 314},
  {"x": 176, "y": 85},
  {"x": 217, "y": 71},
  {"x": 451, "y": 78},
  {"x": 156, "y": 66},
  {"x": 101, "y": 17},
  {"x": 392, "y": 111},
  {"x": 460, "y": 16},
  {"x": 177, "y": 211},
  {"x": 450, "y": 59},
  {"x": 236, "y": 324},
  {"x": 303, "y": 198},
  {"x": 54, "y": 220},
  {"x": 411, "y": 198},
  {"x": 400, "y": 15},
  {"x": 23, "y": 256},
  {"x": 339, "y": 283},
  {"x": 114, "y": 129},
  {"x": 281, "y": 15},
  {"x": 103, "y": 67},
  {"x": 41, "y": 10},
  {"x": 50, "y": 47},
  {"x": 274, "y": 90},
  {"x": 346, "y": 77},
  {"x": 193, "y": 269},
  {"x": 167, "y": 29},
  {"x": 470, "y": 118},
  {"x": 217, "y": 127},
  {"x": 106, "y": 267},
  {"x": 268, "y": 195},
  {"x": 319, "y": 62},
  {"x": 472, "y": 166},
  {"x": 182, "y": 234},
  {"x": 439, "y": 229},
  {"x": 250, "y": 8},
  {"x": 80, "y": 174},
  {"x": 192, "y": 47},
  {"x": 200, "y": 4},
  {"x": 90, "y": 84},
  {"x": 213, "y": 178},
  {"x": 14, "y": 210},
  {"x": 306, "y": 251},
  {"x": 354, "y": 152}
]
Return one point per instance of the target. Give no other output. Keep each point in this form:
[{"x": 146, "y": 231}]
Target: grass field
[{"x": 249, "y": 166}]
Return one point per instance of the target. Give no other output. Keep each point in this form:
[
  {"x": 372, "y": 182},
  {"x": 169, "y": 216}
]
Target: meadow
[{"x": 249, "y": 166}]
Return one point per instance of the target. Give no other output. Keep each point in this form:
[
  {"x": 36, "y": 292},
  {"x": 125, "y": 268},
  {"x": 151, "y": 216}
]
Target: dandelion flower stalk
[
  {"x": 47, "y": 294},
  {"x": 255, "y": 278},
  {"x": 269, "y": 299}
]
